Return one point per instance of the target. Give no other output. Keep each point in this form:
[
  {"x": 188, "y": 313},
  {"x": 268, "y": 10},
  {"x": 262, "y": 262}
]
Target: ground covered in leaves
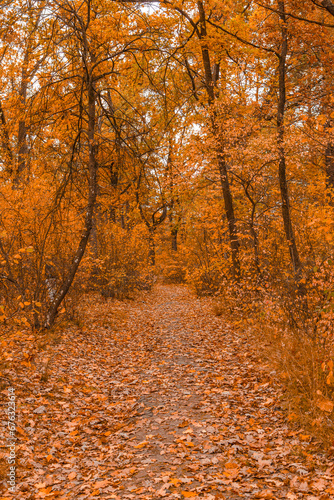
[{"x": 153, "y": 398}]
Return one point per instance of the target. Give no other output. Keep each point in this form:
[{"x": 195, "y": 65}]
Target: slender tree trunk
[
  {"x": 255, "y": 248},
  {"x": 5, "y": 141},
  {"x": 210, "y": 84},
  {"x": 92, "y": 164},
  {"x": 286, "y": 211},
  {"x": 174, "y": 232},
  {"x": 329, "y": 165},
  {"x": 229, "y": 210},
  {"x": 22, "y": 145},
  {"x": 151, "y": 247}
]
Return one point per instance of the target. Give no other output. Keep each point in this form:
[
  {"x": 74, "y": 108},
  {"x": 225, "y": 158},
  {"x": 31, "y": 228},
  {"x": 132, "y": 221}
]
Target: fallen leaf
[
  {"x": 325, "y": 405},
  {"x": 102, "y": 484}
]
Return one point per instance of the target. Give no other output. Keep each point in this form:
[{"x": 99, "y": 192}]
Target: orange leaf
[
  {"x": 72, "y": 475},
  {"x": 175, "y": 481},
  {"x": 141, "y": 445},
  {"x": 325, "y": 405},
  {"x": 102, "y": 484}
]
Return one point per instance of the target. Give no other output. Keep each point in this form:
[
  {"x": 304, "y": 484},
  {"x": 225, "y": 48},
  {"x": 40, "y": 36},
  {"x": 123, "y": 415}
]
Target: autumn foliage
[{"x": 188, "y": 141}]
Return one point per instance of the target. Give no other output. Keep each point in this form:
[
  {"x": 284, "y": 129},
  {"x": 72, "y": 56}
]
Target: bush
[
  {"x": 296, "y": 334},
  {"x": 118, "y": 271}
]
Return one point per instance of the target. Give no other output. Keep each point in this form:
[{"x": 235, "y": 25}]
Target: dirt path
[{"x": 155, "y": 399}]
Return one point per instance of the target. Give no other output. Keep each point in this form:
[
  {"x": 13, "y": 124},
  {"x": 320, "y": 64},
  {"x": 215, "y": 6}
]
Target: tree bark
[
  {"x": 151, "y": 247},
  {"x": 229, "y": 210},
  {"x": 92, "y": 167},
  {"x": 5, "y": 140},
  {"x": 22, "y": 147},
  {"x": 174, "y": 232},
  {"x": 329, "y": 165},
  {"x": 286, "y": 210},
  {"x": 210, "y": 83}
]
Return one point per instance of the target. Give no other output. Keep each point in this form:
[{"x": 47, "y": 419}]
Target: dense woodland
[{"x": 183, "y": 141}]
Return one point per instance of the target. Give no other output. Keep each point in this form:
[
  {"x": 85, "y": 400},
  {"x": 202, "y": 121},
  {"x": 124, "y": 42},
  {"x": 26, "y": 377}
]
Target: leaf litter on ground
[{"x": 149, "y": 399}]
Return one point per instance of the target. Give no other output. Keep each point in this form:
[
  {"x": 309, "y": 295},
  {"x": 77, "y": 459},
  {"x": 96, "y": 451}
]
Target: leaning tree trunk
[
  {"x": 92, "y": 164},
  {"x": 286, "y": 211}
]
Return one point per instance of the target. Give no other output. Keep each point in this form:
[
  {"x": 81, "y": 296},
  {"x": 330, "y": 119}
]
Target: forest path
[{"x": 158, "y": 398}]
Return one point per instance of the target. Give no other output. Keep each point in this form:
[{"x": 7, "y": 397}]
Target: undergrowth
[{"x": 295, "y": 332}]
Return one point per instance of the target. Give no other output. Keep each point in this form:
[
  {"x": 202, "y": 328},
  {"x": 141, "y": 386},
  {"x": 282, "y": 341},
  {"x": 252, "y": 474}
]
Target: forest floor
[{"x": 154, "y": 398}]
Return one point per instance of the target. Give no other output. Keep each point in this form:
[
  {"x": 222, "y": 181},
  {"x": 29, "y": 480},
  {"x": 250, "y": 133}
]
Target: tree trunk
[
  {"x": 329, "y": 165},
  {"x": 92, "y": 164},
  {"x": 22, "y": 145},
  {"x": 229, "y": 210},
  {"x": 151, "y": 248},
  {"x": 5, "y": 142},
  {"x": 174, "y": 232},
  {"x": 286, "y": 211},
  {"x": 210, "y": 83},
  {"x": 256, "y": 249}
]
